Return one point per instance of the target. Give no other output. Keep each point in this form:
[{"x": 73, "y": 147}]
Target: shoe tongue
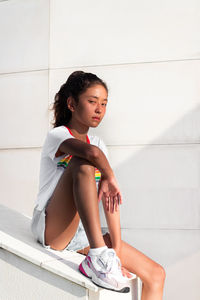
[{"x": 105, "y": 259}]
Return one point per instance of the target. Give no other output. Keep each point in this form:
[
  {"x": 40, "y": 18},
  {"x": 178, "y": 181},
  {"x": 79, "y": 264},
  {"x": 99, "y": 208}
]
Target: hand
[
  {"x": 126, "y": 273},
  {"x": 108, "y": 188}
]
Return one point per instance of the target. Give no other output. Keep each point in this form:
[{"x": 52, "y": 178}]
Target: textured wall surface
[{"x": 148, "y": 52}]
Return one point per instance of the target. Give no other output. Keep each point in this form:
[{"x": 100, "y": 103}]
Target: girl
[{"x": 66, "y": 214}]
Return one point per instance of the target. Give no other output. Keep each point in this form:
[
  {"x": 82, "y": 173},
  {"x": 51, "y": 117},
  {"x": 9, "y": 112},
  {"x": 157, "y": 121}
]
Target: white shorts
[{"x": 78, "y": 242}]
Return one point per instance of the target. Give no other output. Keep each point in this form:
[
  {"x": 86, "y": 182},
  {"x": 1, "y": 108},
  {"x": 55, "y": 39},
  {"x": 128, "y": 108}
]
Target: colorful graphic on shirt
[{"x": 64, "y": 162}]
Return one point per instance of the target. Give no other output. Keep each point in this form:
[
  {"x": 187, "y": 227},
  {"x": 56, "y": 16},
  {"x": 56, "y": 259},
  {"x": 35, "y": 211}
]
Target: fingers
[
  {"x": 107, "y": 203},
  {"x": 119, "y": 198},
  {"x": 123, "y": 273},
  {"x": 116, "y": 203},
  {"x": 111, "y": 193},
  {"x": 100, "y": 194},
  {"x": 113, "y": 202},
  {"x": 126, "y": 273}
]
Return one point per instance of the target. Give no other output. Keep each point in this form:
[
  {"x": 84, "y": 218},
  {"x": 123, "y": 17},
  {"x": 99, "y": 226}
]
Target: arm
[
  {"x": 108, "y": 186},
  {"x": 89, "y": 152}
]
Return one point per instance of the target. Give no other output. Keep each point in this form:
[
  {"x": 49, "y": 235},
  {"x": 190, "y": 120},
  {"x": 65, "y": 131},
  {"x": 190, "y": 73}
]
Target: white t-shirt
[{"x": 51, "y": 167}]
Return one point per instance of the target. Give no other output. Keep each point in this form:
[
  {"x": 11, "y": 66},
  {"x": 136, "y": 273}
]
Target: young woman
[{"x": 74, "y": 176}]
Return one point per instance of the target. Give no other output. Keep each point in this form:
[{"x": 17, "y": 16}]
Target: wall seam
[{"x": 102, "y": 65}]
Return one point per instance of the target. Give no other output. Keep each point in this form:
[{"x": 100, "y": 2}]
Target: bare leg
[
  {"x": 151, "y": 273},
  {"x": 113, "y": 222},
  {"x": 75, "y": 196},
  {"x": 85, "y": 196}
]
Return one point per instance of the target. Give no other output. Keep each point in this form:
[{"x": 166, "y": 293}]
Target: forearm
[
  {"x": 89, "y": 152},
  {"x": 99, "y": 160}
]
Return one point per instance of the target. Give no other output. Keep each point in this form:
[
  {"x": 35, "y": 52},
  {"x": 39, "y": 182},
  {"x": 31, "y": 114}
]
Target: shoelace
[{"x": 109, "y": 261}]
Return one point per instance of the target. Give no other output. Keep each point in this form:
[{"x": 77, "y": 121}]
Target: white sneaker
[{"x": 105, "y": 271}]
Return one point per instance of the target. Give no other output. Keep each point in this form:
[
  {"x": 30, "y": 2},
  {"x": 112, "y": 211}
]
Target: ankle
[
  {"x": 97, "y": 251},
  {"x": 97, "y": 243}
]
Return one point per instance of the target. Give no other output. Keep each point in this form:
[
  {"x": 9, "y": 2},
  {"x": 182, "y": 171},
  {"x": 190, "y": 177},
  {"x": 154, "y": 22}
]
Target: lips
[{"x": 96, "y": 118}]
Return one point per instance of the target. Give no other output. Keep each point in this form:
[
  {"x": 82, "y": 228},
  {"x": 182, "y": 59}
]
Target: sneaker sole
[{"x": 123, "y": 290}]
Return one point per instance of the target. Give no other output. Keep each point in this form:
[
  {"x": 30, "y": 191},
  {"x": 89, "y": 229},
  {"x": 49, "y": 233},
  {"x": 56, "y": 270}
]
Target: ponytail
[
  {"x": 62, "y": 114},
  {"x": 77, "y": 83}
]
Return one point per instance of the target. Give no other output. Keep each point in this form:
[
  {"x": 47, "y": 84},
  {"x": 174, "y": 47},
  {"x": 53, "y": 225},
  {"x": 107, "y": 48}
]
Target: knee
[
  {"x": 156, "y": 278},
  {"x": 82, "y": 166}
]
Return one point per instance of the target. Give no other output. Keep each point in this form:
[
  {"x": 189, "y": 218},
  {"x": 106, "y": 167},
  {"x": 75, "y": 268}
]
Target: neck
[{"x": 78, "y": 130}]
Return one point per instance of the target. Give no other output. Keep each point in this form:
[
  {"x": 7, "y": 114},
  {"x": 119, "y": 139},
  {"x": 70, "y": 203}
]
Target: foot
[{"x": 105, "y": 271}]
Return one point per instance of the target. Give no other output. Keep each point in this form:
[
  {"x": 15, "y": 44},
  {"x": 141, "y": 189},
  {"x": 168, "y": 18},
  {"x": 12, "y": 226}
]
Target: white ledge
[
  {"x": 16, "y": 237},
  {"x": 59, "y": 265}
]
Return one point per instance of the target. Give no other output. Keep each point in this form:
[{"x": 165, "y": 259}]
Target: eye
[
  {"x": 104, "y": 104},
  {"x": 91, "y": 101}
]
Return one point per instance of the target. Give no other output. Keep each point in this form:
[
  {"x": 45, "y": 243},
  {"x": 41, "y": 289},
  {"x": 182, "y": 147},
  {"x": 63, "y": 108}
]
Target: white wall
[{"x": 148, "y": 53}]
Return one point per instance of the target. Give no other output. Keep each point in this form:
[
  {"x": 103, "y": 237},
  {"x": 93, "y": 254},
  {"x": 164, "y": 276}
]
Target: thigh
[{"x": 62, "y": 218}]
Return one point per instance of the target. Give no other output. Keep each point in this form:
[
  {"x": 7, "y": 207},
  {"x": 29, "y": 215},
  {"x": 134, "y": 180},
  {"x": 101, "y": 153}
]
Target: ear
[{"x": 71, "y": 104}]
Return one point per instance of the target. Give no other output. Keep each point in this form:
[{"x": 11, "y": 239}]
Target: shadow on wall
[
  {"x": 160, "y": 184},
  {"x": 160, "y": 187}
]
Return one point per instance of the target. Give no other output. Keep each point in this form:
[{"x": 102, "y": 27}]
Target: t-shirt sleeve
[
  {"x": 55, "y": 137},
  {"x": 103, "y": 147}
]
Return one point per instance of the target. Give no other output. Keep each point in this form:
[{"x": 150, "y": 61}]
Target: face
[{"x": 91, "y": 107}]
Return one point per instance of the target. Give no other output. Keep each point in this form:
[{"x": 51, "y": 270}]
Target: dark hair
[{"x": 77, "y": 83}]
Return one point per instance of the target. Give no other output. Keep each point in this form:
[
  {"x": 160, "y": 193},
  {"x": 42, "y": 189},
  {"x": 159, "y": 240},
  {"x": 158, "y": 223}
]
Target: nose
[{"x": 98, "y": 108}]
